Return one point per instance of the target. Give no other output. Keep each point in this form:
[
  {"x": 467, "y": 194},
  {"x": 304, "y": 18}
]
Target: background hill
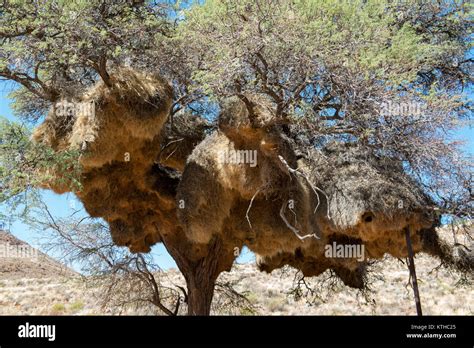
[{"x": 20, "y": 260}]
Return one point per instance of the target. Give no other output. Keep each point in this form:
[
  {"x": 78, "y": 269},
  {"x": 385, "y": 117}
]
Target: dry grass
[
  {"x": 441, "y": 294},
  {"x": 49, "y": 288}
]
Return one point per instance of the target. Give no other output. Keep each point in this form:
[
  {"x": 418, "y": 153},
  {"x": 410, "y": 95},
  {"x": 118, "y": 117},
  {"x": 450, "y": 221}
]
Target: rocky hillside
[{"x": 19, "y": 260}]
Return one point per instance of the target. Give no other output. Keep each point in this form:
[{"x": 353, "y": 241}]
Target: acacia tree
[{"x": 349, "y": 108}]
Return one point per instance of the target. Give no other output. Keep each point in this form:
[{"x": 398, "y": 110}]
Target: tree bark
[
  {"x": 200, "y": 294},
  {"x": 200, "y": 266},
  {"x": 411, "y": 267}
]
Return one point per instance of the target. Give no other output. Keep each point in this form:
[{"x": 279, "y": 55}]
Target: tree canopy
[{"x": 350, "y": 107}]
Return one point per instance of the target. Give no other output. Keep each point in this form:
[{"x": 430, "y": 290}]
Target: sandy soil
[{"x": 51, "y": 291}]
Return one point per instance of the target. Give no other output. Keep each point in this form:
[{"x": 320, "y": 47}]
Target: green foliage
[
  {"x": 58, "y": 308},
  {"x": 57, "y": 48},
  {"x": 378, "y": 39},
  {"x": 25, "y": 165},
  {"x": 76, "y": 306}
]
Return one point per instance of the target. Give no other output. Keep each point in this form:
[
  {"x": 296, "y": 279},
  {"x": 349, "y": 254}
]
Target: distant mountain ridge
[{"x": 18, "y": 259}]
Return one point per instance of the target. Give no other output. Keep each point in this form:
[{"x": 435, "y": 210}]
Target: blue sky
[{"x": 65, "y": 204}]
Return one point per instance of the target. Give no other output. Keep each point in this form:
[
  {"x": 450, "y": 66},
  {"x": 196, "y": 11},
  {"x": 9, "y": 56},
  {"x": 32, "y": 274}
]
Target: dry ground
[{"x": 442, "y": 293}]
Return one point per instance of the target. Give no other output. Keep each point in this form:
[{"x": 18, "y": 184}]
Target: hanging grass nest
[{"x": 247, "y": 181}]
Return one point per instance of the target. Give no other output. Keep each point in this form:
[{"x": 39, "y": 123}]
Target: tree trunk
[
  {"x": 200, "y": 294},
  {"x": 411, "y": 267},
  {"x": 200, "y": 266}
]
